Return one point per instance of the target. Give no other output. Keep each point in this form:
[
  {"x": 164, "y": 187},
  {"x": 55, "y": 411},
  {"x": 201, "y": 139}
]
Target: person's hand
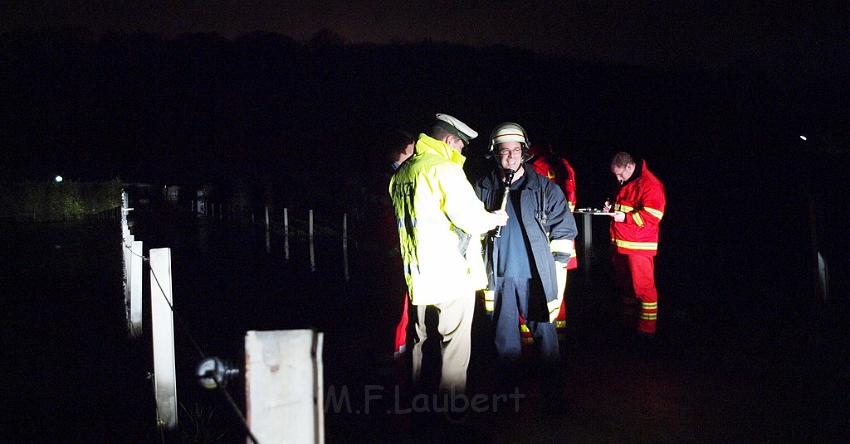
[
  {"x": 607, "y": 206},
  {"x": 500, "y": 218},
  {"x": 619, "y": 216}
]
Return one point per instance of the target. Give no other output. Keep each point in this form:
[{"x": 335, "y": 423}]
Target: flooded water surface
[{"x": 73, "y": 373}]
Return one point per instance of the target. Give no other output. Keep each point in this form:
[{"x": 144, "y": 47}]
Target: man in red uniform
[
  {"x": 559, "y": 171},
  {"x": 638, "y": 209},
  {"x": 377, "y": 235},
  {"x": 401, "y": 150}
]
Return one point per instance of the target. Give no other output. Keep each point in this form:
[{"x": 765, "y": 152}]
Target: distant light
[
  {"x": 57, "y": 179},
  {"x": 804, "y": 138}
]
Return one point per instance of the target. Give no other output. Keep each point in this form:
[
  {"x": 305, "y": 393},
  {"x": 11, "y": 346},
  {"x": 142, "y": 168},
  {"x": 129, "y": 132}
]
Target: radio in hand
[{"x": 509, "y": 177}]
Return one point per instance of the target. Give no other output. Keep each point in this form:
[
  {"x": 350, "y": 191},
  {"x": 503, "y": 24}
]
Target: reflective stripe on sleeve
[
  {"x": 635, "y": 245},
  {"x": 562, "y": 246},
  {"x": 638, "y": 220},
  {"x": 654, "y": 212},
  {"x": 554, "y": 305},
  {"x": 489, "y": 300}
]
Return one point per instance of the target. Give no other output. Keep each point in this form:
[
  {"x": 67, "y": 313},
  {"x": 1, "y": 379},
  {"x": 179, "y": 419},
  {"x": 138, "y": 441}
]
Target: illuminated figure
[
  {"x": 526, "y": 260},
  {"x": 638, "y": 209},
  {"x": 437, "y": 214}
]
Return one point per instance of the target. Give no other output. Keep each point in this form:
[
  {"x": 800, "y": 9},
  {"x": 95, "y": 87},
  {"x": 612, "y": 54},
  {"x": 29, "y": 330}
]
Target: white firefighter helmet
[{"x": 509, "y": 132}]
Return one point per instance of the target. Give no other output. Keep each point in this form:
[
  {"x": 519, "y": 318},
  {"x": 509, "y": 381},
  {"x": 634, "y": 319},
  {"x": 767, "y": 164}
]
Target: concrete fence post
[
  {"x": 162, "y": 320},
  {"x": 283, "y": 386},
  {"x": 286, "y": 234},
  {"x": 268, "y": 233},
  {"x": 136, "y": 289},
  {"x": 345, "y": 245},
  {"x": 310, "y": 238},
  {"x": 587, "y": 222},
  {"x": 126, "y": 244}
]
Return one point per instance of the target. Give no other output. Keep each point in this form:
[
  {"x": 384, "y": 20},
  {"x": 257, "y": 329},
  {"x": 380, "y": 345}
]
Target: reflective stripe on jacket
[
  {"x": 560, "y": 172},
  {"x": 643, "y": 201},
  {"x": 437, "y": 212}
]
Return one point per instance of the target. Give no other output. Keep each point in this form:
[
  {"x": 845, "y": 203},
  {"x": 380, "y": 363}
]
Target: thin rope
[
  {"x": 237, "y": 412},
  {"x": 197, "y": 347}
]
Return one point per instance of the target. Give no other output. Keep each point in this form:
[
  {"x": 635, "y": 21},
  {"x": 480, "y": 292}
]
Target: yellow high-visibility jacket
[{"x": 438, "y": 213}]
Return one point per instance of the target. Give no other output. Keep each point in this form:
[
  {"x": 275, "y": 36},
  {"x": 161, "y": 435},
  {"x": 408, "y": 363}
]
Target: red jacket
[
  {"x": 559, "y": 171},
  {"x": 643, "y": 201}
]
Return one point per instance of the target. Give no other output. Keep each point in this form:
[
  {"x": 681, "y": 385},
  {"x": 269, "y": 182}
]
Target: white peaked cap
[{"x": 457, "y": 127}]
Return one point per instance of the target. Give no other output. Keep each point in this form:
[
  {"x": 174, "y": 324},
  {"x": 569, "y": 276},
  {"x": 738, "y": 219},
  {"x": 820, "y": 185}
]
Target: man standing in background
[
  {"x": 638, "y": 209},
  {"x": 561, "y": 173}
]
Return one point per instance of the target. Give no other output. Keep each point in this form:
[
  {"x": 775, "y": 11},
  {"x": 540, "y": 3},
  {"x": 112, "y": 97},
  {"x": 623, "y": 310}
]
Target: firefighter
[
  {"x": 401, "y": 149},
  {"x": 378, "y": 241},
  {"x": 638, "y": 210},
  {"x": 559, "y": 171},
  {"x": 437, "y": 214},
  {"x": 526, "y": 261}
]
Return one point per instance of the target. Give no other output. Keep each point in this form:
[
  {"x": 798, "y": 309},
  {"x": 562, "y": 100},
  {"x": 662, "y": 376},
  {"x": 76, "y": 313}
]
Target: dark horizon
[
  {"x": 660, "y": 35},
  {"x": 120, "y": 104}
]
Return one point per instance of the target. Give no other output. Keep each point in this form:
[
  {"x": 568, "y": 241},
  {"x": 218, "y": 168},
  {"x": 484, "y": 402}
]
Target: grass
[{"x": 51, "y": 201}]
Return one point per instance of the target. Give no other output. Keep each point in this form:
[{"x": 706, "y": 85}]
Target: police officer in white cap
[{"x": 437, "y": 214}]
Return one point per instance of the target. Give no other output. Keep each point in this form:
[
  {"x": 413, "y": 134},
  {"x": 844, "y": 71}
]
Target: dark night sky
[
  {"x": 774, "y": 72},
  {"x": 656, "y": 34}
]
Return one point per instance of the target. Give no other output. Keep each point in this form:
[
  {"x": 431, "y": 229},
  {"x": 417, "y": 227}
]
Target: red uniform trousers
[
  {"x": 401, "y": 330},
  {"x": 635, "y": 278}
]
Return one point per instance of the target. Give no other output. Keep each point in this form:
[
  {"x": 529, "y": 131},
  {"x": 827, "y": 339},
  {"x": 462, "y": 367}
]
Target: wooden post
[
  {"x": 268, "y": 233},
  {"x": 312, "y": 249},
  {"x": 345, "y": 245},
  {"x": 813, "y": 253},
  {"x": 283, "y": 386},
  {"x": 286, "y": 234},
  {"x": 587, "y": 222},
  {"x": 126, "y": 244},
  {"x": 136, "y": 289},
  {"x": 162, "y": 320},
  {"x": 125, "y": 208}
]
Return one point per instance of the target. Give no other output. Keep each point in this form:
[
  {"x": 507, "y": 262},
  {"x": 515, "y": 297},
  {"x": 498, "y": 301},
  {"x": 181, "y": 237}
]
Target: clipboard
[{"x": 594, "y": 211}]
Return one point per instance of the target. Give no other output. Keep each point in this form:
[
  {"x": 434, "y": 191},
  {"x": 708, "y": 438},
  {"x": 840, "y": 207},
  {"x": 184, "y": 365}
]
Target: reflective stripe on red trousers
[{"x": 635, "y": 278}]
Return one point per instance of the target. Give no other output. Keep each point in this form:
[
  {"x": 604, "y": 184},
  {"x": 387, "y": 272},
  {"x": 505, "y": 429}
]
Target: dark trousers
[{"x": 512, "y": 299}]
